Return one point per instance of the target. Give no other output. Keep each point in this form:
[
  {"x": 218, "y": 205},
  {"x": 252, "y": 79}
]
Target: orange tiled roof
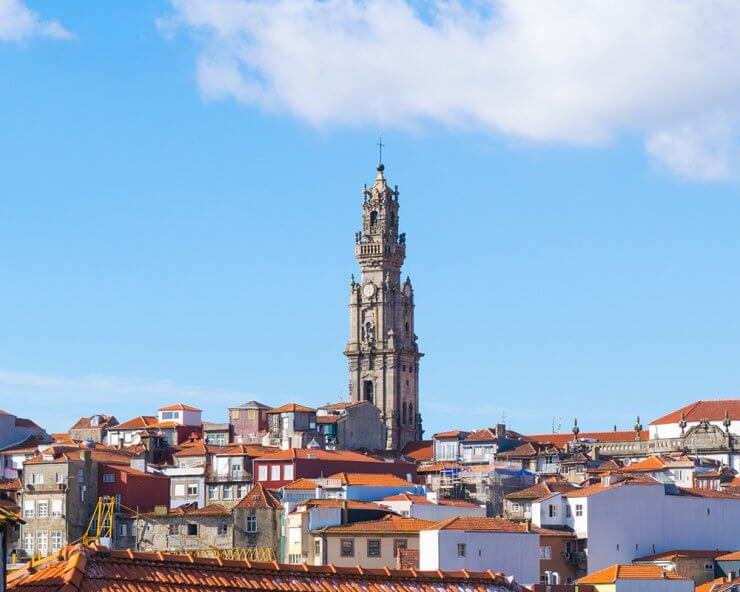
[
  {"x": 301, "y": 485},
  {"x": 292, "y": 408},
  {"x": 7, "y": 516},
  {"x": 530, "y": 449},
  {"x": 306, "y": 453},
  {"x": 138, "y": 423},
  {"x": 451, "y": 434},
  {"x": 91, "y": 569},
  {"x": 84, "y": 423},
  {"x": 560, "y": 440},
  {"x": 192, "y": 509},
  {"x": 10, "y": 484},
  {"x": 711, "y": 410},
  {"x": 484, "y": 435},
  {"x": 390, "y": 524},
  {"x": 713, "y": 585},
  {"x": 200, "y": 448},
  {"x": 327, "y": 418},
  {"x": 339, "y": 503},
  {"x": 480, "y": 524},
  {"x": 656, "y": 463},
  {"x": 371, "y": 479},
  {"x": 437, "y": 467},
  {"x": 420, "y": 450},
  {"x": 734, "y": 556},
  {"x": 259, "y": 497},
  {"x": 342, "y": 405},
  {"x": 611, "y": 574},
  {"x": 251, "y": 450},
  {"x": 540, "y": 490},
  {"x": 179, "y": 407},
  {"x": 408, "y": 497},
  {"x": 670, "y": 555}
]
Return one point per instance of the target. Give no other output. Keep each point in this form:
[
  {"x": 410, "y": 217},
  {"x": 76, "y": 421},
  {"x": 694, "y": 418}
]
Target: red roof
[
  {"x": 22, "y": 422},
  {"x": 390, "y": 524},
  {"x": 10, "y": 484},
  {"x": 451, "y": 434},
  {"x": 420, "y": 450},
  {"x": 91, "y": 569},
  {"x": 308, "y": 454},
  {"x": 610, "y": 575},
  {"x": 540, "y": 490},
  {"x": 480, "y": 524},
  {"x": 85, "y": 423},
  {"x": 259, "y": 497},
  {"x": 138, "y": 423},
  {"x": 421, "y": 499},
  {"x": 371, "y": 479},
  {"x": 484, "y": 435},
  {"x": 711, "y": 410},
  {"x": 560, "y": 440},
  {"x": 251, "y": 450},
  {"x": 292, "y": 408},
  {"x": 671, "y": 555},
  {"x": 179, "y": 407},
  {"x": 192, "y": 509},
  {"x": 200, "y": 448}
]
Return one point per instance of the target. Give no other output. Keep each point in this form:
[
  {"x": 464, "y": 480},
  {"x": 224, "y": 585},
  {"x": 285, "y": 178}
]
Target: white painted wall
[
  {"x": 514, "y": 554},
  {"x": 627, "y": 522},
  {"x": 672, "y": 430},
  {"x": 432, "y": 511}
]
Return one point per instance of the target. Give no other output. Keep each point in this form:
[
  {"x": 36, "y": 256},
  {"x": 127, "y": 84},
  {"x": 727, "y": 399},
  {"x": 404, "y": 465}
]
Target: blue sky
[{"x": 179, "y": 191}]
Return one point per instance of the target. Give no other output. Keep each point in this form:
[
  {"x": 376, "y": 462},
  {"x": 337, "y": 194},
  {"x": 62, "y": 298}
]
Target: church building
[{"x": 382, "y": 351}]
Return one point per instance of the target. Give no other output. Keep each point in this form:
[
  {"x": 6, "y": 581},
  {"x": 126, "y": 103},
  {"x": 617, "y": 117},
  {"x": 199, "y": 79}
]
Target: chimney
[
  {"x": 86, "y": 456},
  {"x": 345, "y": 511},
  {"x": 528, "y": 525},
  {"x": 319, "y": 492}
]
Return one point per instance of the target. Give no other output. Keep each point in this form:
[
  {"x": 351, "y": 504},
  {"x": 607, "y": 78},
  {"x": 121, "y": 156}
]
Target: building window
[
  {"x": 43, "y": 508},
  {"x": 167, "y": 415},
  {"x": 567, "y": 511},
  {"x": 192, "y": 489},
  {"x": 251, "y": 524},
  {"x": 56, "y": 508},
  {"x": 223, "y": 529},
  {"x": 59, "y": 478},
  {"x": 546, "y": 552},
  {"x": 28, "y": 543},
  {"x": 275, "y": 473},
  {"x": 399, "y": 544},
  {"x": 173, "y": 529},
  {"x": 579, "y": 509},
  {"x": 234, "y": 414},
  {"x": 262, "y": 473},
  {"x": 56, "y": 541},
  {"x": 373, "y": 548},
  {"x": 317, "y": 548},
  {"x": 288, "y": 472},
  {"x": 709, "y": 567},
  {"x": 212, "y": 492},
  {"x": 28, "y": 509},
  {"x": 515, "y": 507},
  {"x": 109, "y": 478},
  {"x": 37, "y": 478},
  {"x": 251, "y": 414},
  {"x": 179, "y": 490},
  {"x": 553, "y": 511},
  {"x": 228, "y": 492},
  {"x": 347, "y": 547},
  {"x": 220, "y": 440},
  {"x": 122, "y": 530},
  {"x": 42, "y": 543},
  {"x": 192, "y": 529},
  {"x": 461, "y": 549}
]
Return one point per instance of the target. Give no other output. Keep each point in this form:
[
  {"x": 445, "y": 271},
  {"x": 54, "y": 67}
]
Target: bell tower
[{"x": 382, "y": 351}]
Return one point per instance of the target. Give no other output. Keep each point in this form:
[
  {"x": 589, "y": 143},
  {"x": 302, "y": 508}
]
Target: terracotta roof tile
[
  {"x": 79, "y": 569},
  {"x": 611, "y": 574},
  {"x": 192, "y": 509},
  {"x": 390, "y": 524},
  {"x": 301, "y": 485},
  {"x": 371, "y": 479},
  {"x": 484, "y": 435},
  {"x": 251, "y": 450},
  {"x": 179, "y": 407},
  {"x": 22, "y": 422},
  {"x": 734, "y": 556},
  {"x": 437, "y": 467},
  {"x": 85, "y": 423},
  {"x": 324, "y": 455},
  {"x": 560, "y": 440},
  {"x": 480, "y": 524},
  {"x": 451, "y": 434},
  {"x": 711, "y": 410},
  {"x": 420, "y": 450},
  {"x": 292, "y": 408},
  {"x": 10, "y": 484},
  {"x": 138, "y": 423},
  {"x": 259, "y": 497},
  {"x": 540, "y": 490},
  {"x": 670, "y": 555}
]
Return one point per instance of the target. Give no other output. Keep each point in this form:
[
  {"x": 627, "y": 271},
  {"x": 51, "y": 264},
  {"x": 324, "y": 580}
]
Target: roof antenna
[{"x": 380, "y": 150}]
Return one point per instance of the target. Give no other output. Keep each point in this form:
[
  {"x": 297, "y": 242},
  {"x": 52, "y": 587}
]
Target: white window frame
[
  {"x": 275, "y": 473},
  {"x": 262, "y": 473}
]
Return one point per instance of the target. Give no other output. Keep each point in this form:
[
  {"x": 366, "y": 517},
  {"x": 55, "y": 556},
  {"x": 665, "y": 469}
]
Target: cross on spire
[{"x": 380, "y": 149}]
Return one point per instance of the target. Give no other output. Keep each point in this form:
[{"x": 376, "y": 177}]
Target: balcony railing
[
  {"x": 46, "y": 487},
  {"x": 228, "y": 477}
]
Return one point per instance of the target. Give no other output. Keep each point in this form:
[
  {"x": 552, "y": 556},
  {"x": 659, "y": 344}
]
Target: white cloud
[
  {"x": 551, "y": 71},
  {"x": 18, "y": 23}
]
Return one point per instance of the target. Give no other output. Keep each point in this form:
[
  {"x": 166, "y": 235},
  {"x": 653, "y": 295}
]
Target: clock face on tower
[{"x": 368, "y": 290}]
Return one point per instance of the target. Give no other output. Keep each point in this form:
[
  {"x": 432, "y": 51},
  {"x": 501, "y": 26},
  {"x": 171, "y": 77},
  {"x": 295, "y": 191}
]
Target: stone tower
[{"x": 382, "y": 351}]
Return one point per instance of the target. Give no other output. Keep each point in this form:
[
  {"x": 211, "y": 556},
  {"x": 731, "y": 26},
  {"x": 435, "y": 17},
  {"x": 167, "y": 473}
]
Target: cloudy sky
[{"x": 179, "y": 190}]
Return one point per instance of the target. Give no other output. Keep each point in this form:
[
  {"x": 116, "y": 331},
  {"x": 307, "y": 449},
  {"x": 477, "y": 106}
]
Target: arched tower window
[
  {"x": 411, "y": 414},
  {"x": 403, "y": 413},
  {"x": 367, "y": 390},
  {"x": 373, "y": 218}
]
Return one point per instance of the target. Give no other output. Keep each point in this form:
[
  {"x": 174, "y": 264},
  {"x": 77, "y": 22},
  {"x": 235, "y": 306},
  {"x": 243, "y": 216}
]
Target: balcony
[
  {"x": 46, "y": 487},
  {"x": 229, "y": 477},
  {"x": 577, "y": 558}
]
